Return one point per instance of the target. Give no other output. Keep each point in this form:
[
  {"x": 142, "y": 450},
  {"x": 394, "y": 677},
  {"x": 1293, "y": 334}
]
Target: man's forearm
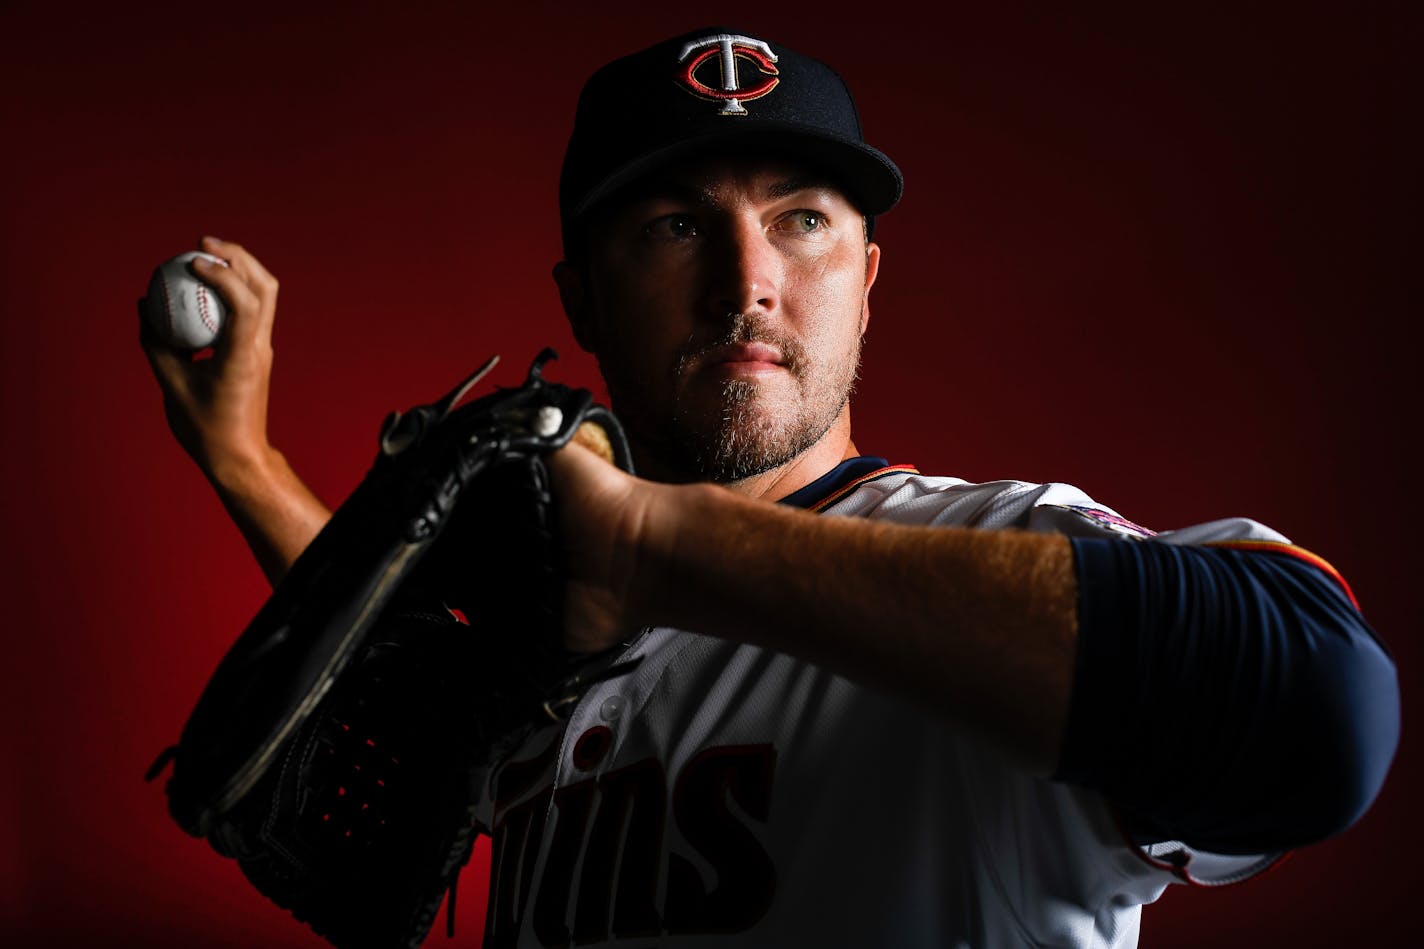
[
  {"x": 977, "y": 625},
  {"x": 276, "y": 512}
]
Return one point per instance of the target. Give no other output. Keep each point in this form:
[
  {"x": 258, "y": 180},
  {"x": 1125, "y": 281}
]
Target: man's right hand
[{"x": 217, "y": 409}]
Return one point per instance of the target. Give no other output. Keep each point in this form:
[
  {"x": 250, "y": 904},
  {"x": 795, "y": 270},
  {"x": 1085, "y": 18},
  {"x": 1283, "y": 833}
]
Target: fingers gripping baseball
[
  {"x": 217, "y": 408},
  {"x": 249, "y": 288}
]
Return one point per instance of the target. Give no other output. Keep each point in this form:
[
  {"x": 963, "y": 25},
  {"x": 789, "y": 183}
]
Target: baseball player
[{"x": 890, "y": 709}]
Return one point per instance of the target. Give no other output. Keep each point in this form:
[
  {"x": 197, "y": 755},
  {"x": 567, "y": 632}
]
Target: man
[{"x": 936, "y": 714}]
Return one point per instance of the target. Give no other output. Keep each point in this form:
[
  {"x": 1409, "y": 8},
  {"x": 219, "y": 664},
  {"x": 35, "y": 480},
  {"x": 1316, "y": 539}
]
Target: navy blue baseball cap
[{"x": 712, "y": 89}]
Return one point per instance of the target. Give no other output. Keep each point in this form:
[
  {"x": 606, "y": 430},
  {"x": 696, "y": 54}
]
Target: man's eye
[
  {"x": 672, "y": 227},
  {"x": 804, "y": 222}
]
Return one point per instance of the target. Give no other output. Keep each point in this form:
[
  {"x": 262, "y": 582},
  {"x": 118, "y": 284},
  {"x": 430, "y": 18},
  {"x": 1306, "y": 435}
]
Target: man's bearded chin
[
  {"x": 744, "y": 432},
  {"x": 740, "y": 431},
  {"x": 745, "y": 438}
]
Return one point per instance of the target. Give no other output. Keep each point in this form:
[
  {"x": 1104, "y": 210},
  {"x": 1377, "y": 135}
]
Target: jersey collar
[{"x": 840, "y": 481}]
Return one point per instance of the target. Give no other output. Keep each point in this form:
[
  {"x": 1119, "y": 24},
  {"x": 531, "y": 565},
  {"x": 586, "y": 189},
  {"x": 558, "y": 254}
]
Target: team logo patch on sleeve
[{"x": 1109, "y": 520}]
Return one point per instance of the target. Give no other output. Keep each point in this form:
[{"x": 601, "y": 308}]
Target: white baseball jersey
[{"x": 723, "y": 794}]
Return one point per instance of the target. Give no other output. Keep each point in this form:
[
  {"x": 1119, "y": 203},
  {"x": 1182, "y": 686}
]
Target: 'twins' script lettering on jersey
[{"x": 606, "y": 861}]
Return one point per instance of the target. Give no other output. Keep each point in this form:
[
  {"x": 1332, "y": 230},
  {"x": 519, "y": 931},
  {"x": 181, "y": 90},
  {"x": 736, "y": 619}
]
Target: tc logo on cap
[{"x": 728, "y": 48}]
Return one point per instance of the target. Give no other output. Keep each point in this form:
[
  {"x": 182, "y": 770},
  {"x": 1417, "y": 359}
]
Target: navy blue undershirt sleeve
[{"x": 1233, "y": 700}]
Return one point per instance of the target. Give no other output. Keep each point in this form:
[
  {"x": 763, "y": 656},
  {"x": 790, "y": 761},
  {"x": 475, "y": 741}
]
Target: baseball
[{"x": 184, "y": 311}]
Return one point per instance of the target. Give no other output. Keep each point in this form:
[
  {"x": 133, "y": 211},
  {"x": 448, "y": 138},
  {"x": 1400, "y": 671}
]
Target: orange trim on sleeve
[
  {"x": 845, "y": 489},
  {"x": 1291, "y": 550}
]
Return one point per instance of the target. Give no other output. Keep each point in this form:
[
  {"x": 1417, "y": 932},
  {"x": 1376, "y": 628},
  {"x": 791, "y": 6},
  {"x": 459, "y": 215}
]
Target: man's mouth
[{"x": 747, "y": 357}]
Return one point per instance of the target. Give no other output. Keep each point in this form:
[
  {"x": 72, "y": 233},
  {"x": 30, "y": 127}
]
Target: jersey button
[{"x": 612, "y": 708}]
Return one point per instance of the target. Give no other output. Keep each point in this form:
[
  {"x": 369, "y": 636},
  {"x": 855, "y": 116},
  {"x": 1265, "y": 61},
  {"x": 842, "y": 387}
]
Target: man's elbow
[
  {"x": 1233, "y": 700},
  {"x": 1349, "y": 737}
]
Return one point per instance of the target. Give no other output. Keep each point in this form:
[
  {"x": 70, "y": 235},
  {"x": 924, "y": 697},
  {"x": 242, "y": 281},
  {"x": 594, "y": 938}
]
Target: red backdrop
[{"x": 1159, "y": 255}]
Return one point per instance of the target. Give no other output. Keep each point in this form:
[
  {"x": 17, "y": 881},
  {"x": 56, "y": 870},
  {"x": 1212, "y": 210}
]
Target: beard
[
  {"x": 743, "y": 427},
  {"x": 742, "y": 440}
]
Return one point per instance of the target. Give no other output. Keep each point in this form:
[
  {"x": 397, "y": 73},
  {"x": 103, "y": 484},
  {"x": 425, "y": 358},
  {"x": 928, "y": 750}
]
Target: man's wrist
[
  {"x": 672, "y": 549},
  {"x": 247, "y": 473},
  {"x": 653, "y": 543}
]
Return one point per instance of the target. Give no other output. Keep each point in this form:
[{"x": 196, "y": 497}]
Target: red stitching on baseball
[{"x": 203, "y": 309}]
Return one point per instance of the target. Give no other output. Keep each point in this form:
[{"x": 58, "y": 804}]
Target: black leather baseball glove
[{"x": 338, "y": 751}]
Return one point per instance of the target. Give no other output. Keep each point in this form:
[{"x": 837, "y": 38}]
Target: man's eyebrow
[
  {"x": 671, "y": 189},
  {"x": 786, "y": 188}
]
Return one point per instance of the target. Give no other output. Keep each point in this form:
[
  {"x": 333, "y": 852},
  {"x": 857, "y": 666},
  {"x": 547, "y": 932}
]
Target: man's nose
[{"x": 746, "y": 272}]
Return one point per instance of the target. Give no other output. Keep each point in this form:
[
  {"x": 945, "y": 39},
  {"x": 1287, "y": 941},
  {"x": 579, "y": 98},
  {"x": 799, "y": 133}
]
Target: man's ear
[
  {"x": 872, "y": 270},
  {"x": 573, "y": 294}
]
